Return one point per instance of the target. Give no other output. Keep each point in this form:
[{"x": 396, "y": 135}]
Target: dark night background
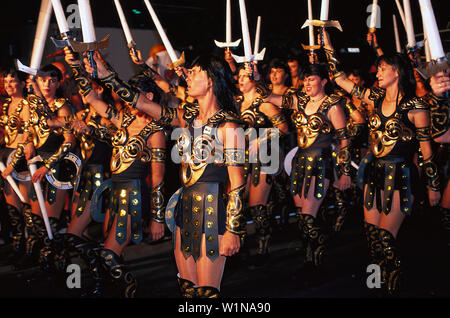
[{"x": 192, "y": 25}]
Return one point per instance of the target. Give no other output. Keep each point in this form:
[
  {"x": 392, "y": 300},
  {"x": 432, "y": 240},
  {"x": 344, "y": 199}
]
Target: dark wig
[
  {"x": 279, "y": 63},
  {"x": 53, "y": 71},
  {"x": 218, "y": 70},
  {"x": 147, "y": 85},
  {"x": 406, "y": 81},
  {"x": 15, "y": 73},
  {"x": 320, "y": 70}
]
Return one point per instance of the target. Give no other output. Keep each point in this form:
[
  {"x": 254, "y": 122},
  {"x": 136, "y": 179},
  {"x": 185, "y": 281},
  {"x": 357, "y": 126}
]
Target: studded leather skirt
[
  {"x": 308, "y": 163},
  {"x": 92, "y": 177},
  {"x": 128, "y": 198},
  {"x": 201, "y": 209},
  {"x": 389, "y": 173}
]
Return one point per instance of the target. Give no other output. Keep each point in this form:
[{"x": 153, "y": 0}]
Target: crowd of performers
[{"x": 385, "y": 144}]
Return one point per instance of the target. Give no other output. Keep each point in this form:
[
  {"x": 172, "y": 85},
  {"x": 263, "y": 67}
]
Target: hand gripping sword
[
  {"x": 89, "y": 44},
  {"x": 322, "y": 25},
  {"x": 248, "y": 56},
  {"x": 227, "y": 44},
  {"x": 62, "y": 26},
  {"x": 37, "y": 188},
  {"x": 176, "y": 62},
  {"x": 439, "y": 61},
  {"x": 12, "y": 183}
]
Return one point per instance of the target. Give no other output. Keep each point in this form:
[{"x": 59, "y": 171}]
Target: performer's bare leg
[
  {"x": 210, "y": 273},
  {"x": 112, "y": 244},
  {"x": 78, "y": 224},
  {"x": 186, "y": 267}
]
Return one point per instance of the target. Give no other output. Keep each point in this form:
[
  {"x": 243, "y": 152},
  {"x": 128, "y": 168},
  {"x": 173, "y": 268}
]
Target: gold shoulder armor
[
  {"x": 415, "y": 103},
  {"x": 190, "y": 111},
  {"x": 57, "y": 104},
  {"x": 376, "y": 93},
  {"x": 334, "y": 99}
]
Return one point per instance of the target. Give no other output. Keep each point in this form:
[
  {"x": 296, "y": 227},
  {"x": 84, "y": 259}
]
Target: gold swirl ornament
[
  {"x": 193, "y": 166},
  {"x": 382, "y": 143},
  {"x": 87, "y": 147},
  {"x": 124, "y": 156},
  {"x": 307, "y": 133},
  {"x": 12, "y": 129}
]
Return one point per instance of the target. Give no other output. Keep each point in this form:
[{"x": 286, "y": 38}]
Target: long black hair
[
  {"x": 320, "y": 70},
  {"x": 218, "y": 70},
  {"x": 406, "y": 80}
]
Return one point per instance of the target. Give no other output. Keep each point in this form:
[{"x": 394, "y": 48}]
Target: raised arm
[
  {"x": 177, "y": 91},
  {"x": 339, "y": 76},
  {"x": 132, "y": 97}
]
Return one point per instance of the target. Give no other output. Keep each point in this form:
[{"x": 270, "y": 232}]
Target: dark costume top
[
  {"x": 390, "y": 165},
  {"x": 201, "y": 206},
  {"x": 314, "y": 139}
]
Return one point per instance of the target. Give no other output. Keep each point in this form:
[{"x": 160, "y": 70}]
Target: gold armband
[
  {"x": 234, "y": 157},
  {"x": 431, "y": 172},
  {"x": 18, "y": 154},
  {"x": 333, "y": 64},
  {"x": 344, "y": 160},
  {"x": 157, "y": 205},
  {"x": 235, "y": 217},
  {"x": 158, "y": 155},
  {"x": 55, "y": 158},
  {"x": 423, "y": 133},
  {"x": 358, "y": 91}
]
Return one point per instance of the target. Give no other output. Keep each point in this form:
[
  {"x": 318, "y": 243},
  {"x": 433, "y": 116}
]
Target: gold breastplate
[
  {"x": 199, "y": 152},
  {"x": 126, "y": 150},
  {"x": 39, "y": 128},
  {"x": 13, "y": 122},
  {"x": 382, "y": 142},
  {"x": 309, "y": 127},
  {"x": 253, "y": 116}
]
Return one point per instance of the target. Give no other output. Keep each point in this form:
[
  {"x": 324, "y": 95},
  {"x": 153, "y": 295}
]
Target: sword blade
[{"x": 37, "y": 188}]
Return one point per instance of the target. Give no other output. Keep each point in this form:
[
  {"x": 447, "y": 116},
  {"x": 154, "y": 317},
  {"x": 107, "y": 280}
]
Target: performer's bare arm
[
  {"x": 157, "y": 140},
  {"x": 232, "y": 137},
  {"x": 143, "y": 104},
  {"x": 337, "y": 117},
  {"x": 93, "y": 98},
  {"x": 159, "y": 80},
  {"x": 342, "y": 80},
  {"x": 421, "y": 119}
]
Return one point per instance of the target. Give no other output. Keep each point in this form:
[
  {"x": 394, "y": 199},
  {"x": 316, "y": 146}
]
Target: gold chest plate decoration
[
  {"x": 197, "y": 153},
  {"x": 126, "y": 150},
  {"x": 382, "y": 142},
  {"x": 12, "y": 122},
  {"x": 309, "y": 127},
  {"x": 252, "y": 115},
  {"x": 39, "y": 127}
]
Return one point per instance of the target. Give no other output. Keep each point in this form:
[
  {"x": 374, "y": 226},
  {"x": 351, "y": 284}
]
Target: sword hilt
[{"x": 93, "y": 64}]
